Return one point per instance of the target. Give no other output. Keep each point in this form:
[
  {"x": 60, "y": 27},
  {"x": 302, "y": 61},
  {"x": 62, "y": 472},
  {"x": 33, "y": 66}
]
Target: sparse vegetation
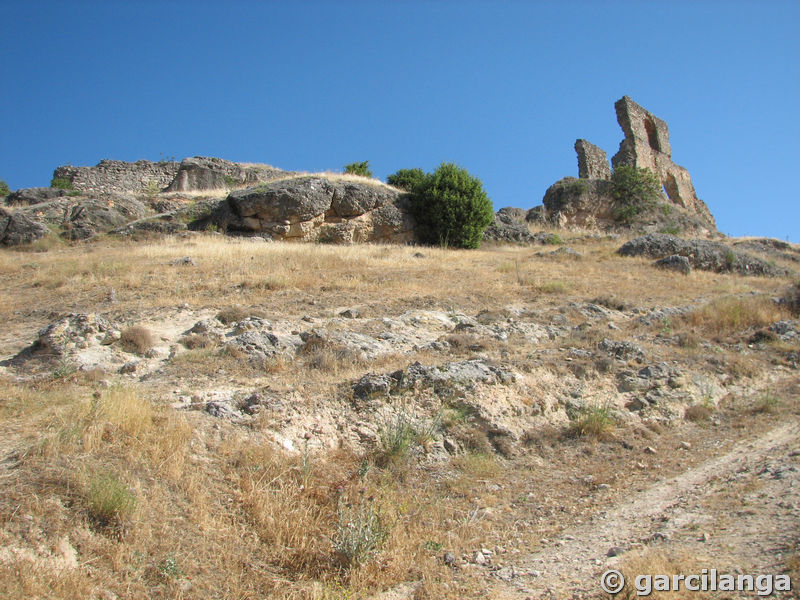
[
  {"x": 110, "y": 502},
  {"x": 594, "y": 421},
  {"x": 732, "y": 315},
  {"x": 61, "y": 183},
  {"x": 360, "y": 531},
  {"x": 358, "y": 168},
  {"x": 4, "y": 190}
]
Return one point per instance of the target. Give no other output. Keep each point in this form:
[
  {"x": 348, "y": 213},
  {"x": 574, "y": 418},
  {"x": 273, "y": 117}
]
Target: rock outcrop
[
  {"x": 509, "y": 226},
  {"x": 203, "y": 173},
  {"x": 588, "y": 201},
  {"x": 16, "y": 228},
  {"x": 701, "y": 254},
  {"x": 83, "y": 217},
  {"x": 314, "y": 208}
]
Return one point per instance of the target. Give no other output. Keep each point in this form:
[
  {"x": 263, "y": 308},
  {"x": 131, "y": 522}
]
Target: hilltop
[{"x": 195, "y": 405}]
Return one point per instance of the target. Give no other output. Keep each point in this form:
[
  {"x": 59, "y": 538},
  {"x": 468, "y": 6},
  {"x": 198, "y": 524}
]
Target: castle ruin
[{"x": 646, "y": 145}]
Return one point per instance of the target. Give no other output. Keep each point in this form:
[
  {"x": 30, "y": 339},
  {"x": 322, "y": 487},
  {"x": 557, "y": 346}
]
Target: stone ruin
[
  {"x": 588, "y": 202},
  {"x": 646, "y": 145}
]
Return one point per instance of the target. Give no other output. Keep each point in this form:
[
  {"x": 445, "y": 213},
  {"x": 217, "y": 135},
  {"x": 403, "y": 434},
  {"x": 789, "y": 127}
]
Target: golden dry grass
[{"x": 216, "y": 507}]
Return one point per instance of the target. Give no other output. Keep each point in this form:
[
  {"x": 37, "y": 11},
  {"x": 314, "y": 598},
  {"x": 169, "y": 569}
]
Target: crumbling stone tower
[{"x": 646, "y": 145}]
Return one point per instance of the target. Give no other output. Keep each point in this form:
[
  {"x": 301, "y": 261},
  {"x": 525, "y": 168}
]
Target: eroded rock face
[
  {"x": 17, "y": 228},
  {"x": 83, "y": 217},
  {"x": 315, "y": 208}
]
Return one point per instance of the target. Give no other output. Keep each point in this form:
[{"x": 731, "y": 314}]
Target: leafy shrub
[
  {"x": 358, "y": 168},
  {"x": 407, "y": 179},
  {"x": 4, "y": 191},
  {"x": 452, "y": 208},
  {"x": 61, "y": 183},
  {"x": 635, "y": 190}
]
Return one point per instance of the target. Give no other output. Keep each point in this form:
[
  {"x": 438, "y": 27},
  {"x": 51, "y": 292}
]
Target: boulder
[
  {"x": 17, "y": 228},
  {"x": 315, "y": 208},
  {"x": 674, "y": 262}
]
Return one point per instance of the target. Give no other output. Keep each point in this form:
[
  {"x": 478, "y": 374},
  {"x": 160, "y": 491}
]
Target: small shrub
[
  {"x": 61, "y": 183},
  {"x": 594, "y": 421},
  {"x": 110, "y": 502},
  {"x": 452, "y": 208},
  {"x": 395, "y": 437},
  {"x": 635, "y": 190},
  {"x": 194, "y": 341},
  {"x": 358, "y": 168},
  {"x": 767, "y": 404},
  {"x": 136, "y": 339},
  {"x": 234, "y": 314},
  {"x": 697, "y": 413},
  {"x": 152, "y": 189},
  {"x": 791, "y": 298},
  {"x": 4, "y": 190},
  {"x": 671, "y": 230},
  {"x": 407, "y": 179},
  {"x": 360, "y": 532}
]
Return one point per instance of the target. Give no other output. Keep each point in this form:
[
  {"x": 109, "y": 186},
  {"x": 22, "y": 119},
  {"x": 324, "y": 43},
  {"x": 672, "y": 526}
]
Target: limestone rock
[
  {"x": 674, "y": 262},
  {"x": 314, "y": 208},
  {"x": 84, "y": 217},
  {"x": 27, "y": 196},
  {"x": 204, "y": 173},
  {"x": 17, "y": 228},
  {"x": 509, "y": 226},
  {"x": 702, "y": 254},
  {"x": 58, "y": 337}
]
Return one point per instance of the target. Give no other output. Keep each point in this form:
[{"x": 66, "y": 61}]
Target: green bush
[
  {"x": 452, "y": 208},
  {"x": 635, "y": 190},
  {"x": 358, "y": 168},
  {"x": 407, "y": 179},
  {"x": 4, "y": 191},
  {"x": 62, "y": 183}
]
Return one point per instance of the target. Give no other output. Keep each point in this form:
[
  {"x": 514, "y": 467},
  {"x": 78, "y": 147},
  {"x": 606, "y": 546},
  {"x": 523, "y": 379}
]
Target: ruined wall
[
  {"x": 119, "y": 176},
  {"x": 592, "y": 161},
  {"x": 646, "y": 145}
]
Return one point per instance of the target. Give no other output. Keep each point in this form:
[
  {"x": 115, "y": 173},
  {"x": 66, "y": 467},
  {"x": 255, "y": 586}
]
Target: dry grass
[
  {"x": 655, "y": 562},
  {"x": 137, "y": 339},
  {"x": 730, "y": 316},
  {"x": 154, "y": 499}
]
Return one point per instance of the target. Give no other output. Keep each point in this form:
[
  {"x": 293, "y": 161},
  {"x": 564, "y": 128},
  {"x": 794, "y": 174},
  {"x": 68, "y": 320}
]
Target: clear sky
[{"x": 502, "y": 88}]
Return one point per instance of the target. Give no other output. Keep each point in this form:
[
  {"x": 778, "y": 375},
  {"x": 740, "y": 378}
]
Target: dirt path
[{"x": 739, "y": 510}]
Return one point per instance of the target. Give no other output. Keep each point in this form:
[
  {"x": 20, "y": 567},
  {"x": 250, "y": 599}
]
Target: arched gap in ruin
[{"x": 652, "y": 137}]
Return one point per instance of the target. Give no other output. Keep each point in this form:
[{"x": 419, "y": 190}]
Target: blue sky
[{"x": 501, "y": 88}]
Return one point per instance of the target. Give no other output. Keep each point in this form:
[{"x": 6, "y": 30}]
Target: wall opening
[{"x": 652, "y": 136}]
